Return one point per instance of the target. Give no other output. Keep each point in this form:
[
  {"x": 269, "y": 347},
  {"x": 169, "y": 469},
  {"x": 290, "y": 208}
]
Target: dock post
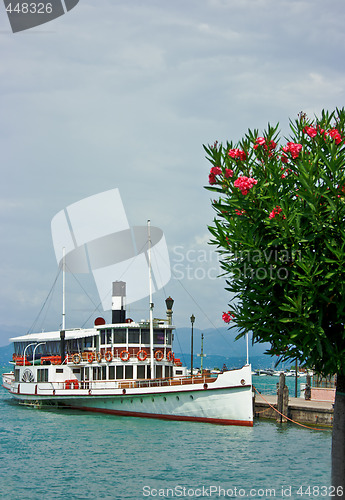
[{"x": 282, "y": 399}]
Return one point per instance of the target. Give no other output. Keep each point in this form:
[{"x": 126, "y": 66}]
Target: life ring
[
  {"x": 71, "y": 384},
  {"x": 98, "y": 357},
  {"x": 90, "y": 357},
  {"x": 76, "y": 358},
  {"x": 170, "y": 356},
  {"x": 142, "y": 355},
  {"x": 159, "y": 355},
  {"x": 125, "y": 355},
  {"x": 108, "y": 356}
]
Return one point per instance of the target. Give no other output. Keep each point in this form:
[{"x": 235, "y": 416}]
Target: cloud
[{"x": 124, "y": 94}]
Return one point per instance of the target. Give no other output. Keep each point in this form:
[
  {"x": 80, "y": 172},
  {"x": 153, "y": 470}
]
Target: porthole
[
  {"x": 141, "y": 400},
  {"x": 191, "y": 397},
  {"x": 153, "y": 400},
  {"x": 164, "y": 399},
  {"x": 178, "y": 399}
]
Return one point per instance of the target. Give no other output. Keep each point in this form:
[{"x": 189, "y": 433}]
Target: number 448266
[{"x": 30, "y": 8}]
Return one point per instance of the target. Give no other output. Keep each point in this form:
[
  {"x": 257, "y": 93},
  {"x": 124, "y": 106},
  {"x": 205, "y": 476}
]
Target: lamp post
[
  {"x": 192, "y": 319},
  {"x": 169, "y": 303}
]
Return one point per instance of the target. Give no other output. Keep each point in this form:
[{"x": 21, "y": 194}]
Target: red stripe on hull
[{"x": 219, "y": 421}]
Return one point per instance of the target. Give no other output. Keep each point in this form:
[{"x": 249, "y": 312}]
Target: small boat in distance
[{"x": 125, "y": 368}]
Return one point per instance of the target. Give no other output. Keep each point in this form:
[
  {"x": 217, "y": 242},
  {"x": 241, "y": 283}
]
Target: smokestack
[{"x": 118, "y": 302}]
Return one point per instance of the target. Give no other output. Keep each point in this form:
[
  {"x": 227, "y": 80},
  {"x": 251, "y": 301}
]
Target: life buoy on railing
[
  {"x": 108, "y": 356},
  {"x": 159, "y": 355},
  {"x": 98, "y": 357},
  {"x": 90, "y": 357},
  {"x": 170, "y": 356},
  {"x": 142, "y": 355},
  {"x": 125, "y": 355},
  {"x": 76, "y": 358},
  {"x": 71, "y": 384}
]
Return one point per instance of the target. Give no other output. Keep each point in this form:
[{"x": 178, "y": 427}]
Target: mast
[
  {"x": 151, "y": 303},
  {"x": 63, "y": 288}
]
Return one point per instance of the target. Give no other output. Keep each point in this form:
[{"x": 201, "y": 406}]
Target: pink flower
[
  {"x": 237, "y": 154},
  {"x": 229, "y": 172},
  {"x": 261, "y": 141},
  {"x": 216, "y": 170},
  {"x": 293, "y": 148},
  {"x": 227, "y": 317},
  {"x": 334, "y": 133},
  {"x": 311, "y": 131},
  {"x": 276, "y": 211},
  {"x": 239, "y": 212},
  {"x": 212, "y": 179},
  {"x": 244, "y": 184}
]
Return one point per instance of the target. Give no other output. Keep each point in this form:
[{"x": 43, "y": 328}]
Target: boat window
[
  {"x": 145, "y": 336},
  {"x": 103, "y": 337},
  {"x": 133, "y": 335},
  {"x": 159, "y": 371},
  {"x": 120, "y": 336},
  {"x": 158, "y": 336},
  {"x": 119, "y": 372},
  {"x": 168, "y": 337},
  {"x": 16, "y": 375},
  {"x": 59, "y": 370},
  {"x": 96, "y": 373},
  {"x": 88, "y": 342},
  {"x": 179, "y": 372},
  {"x": 76, "y": 370},
  {"x": 42, "y": 375},
  {"x": 141, "y": 371},
  {"x": 129, "y": 371},
  {"x": 87, "y": 376},
  {"x": 111, "y": 372},
  {"x": 168, "y": 371},
  {"x": 109, "y": 336},
  {"x": 104, "y": 372}
]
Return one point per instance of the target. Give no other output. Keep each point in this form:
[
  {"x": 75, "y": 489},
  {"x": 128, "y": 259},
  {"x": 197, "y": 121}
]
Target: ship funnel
[{"x": 118, "y": 302}]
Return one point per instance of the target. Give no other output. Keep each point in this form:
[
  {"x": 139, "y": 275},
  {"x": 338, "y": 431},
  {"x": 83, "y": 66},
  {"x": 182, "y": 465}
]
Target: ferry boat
[{"x": 125, "y": 368}]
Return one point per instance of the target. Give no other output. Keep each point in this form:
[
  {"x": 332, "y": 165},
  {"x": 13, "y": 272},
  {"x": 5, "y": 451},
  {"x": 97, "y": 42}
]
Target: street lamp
[
  {"x": 192, "y": 319},
  {"x": 169, "y": 303}
]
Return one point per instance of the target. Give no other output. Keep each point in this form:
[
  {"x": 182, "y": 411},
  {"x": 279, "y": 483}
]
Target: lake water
[{"x": 65, "y": 454}]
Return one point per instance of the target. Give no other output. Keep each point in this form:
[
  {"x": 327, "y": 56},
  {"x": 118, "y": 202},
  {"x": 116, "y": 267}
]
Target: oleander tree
[{"x": 279, "y": 229}]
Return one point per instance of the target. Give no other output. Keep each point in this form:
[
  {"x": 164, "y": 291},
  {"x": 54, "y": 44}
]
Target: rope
[{"x": 293, "y": 421}]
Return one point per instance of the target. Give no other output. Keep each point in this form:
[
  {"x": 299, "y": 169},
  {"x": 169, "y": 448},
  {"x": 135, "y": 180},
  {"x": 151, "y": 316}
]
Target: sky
[{"x": 123, "y": 94}]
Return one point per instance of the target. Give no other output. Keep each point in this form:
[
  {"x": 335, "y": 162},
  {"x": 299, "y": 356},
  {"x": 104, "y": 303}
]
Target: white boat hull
[{"x": 226, "y": 400}]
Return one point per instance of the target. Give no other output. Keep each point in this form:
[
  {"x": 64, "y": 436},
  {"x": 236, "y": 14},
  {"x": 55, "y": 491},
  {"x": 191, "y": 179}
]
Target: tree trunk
[{"x": 338, "y": 439}]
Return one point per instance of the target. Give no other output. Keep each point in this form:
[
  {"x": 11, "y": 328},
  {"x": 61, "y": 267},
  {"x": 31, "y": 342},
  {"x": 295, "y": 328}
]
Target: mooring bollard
[{"x": 282, "y": 399}]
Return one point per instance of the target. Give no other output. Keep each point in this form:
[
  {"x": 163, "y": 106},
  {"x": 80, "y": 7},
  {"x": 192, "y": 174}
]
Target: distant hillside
[{"x": 219, "y": 341}]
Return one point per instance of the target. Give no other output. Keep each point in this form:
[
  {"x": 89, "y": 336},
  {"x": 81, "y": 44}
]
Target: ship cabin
[{"x": 121, "y": 351}]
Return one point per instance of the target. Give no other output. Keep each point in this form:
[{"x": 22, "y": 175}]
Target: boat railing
[{"x": 127, "y": 384}]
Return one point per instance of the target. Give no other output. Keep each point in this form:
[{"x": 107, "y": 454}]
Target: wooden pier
[{"x": 282, "y": 408}]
